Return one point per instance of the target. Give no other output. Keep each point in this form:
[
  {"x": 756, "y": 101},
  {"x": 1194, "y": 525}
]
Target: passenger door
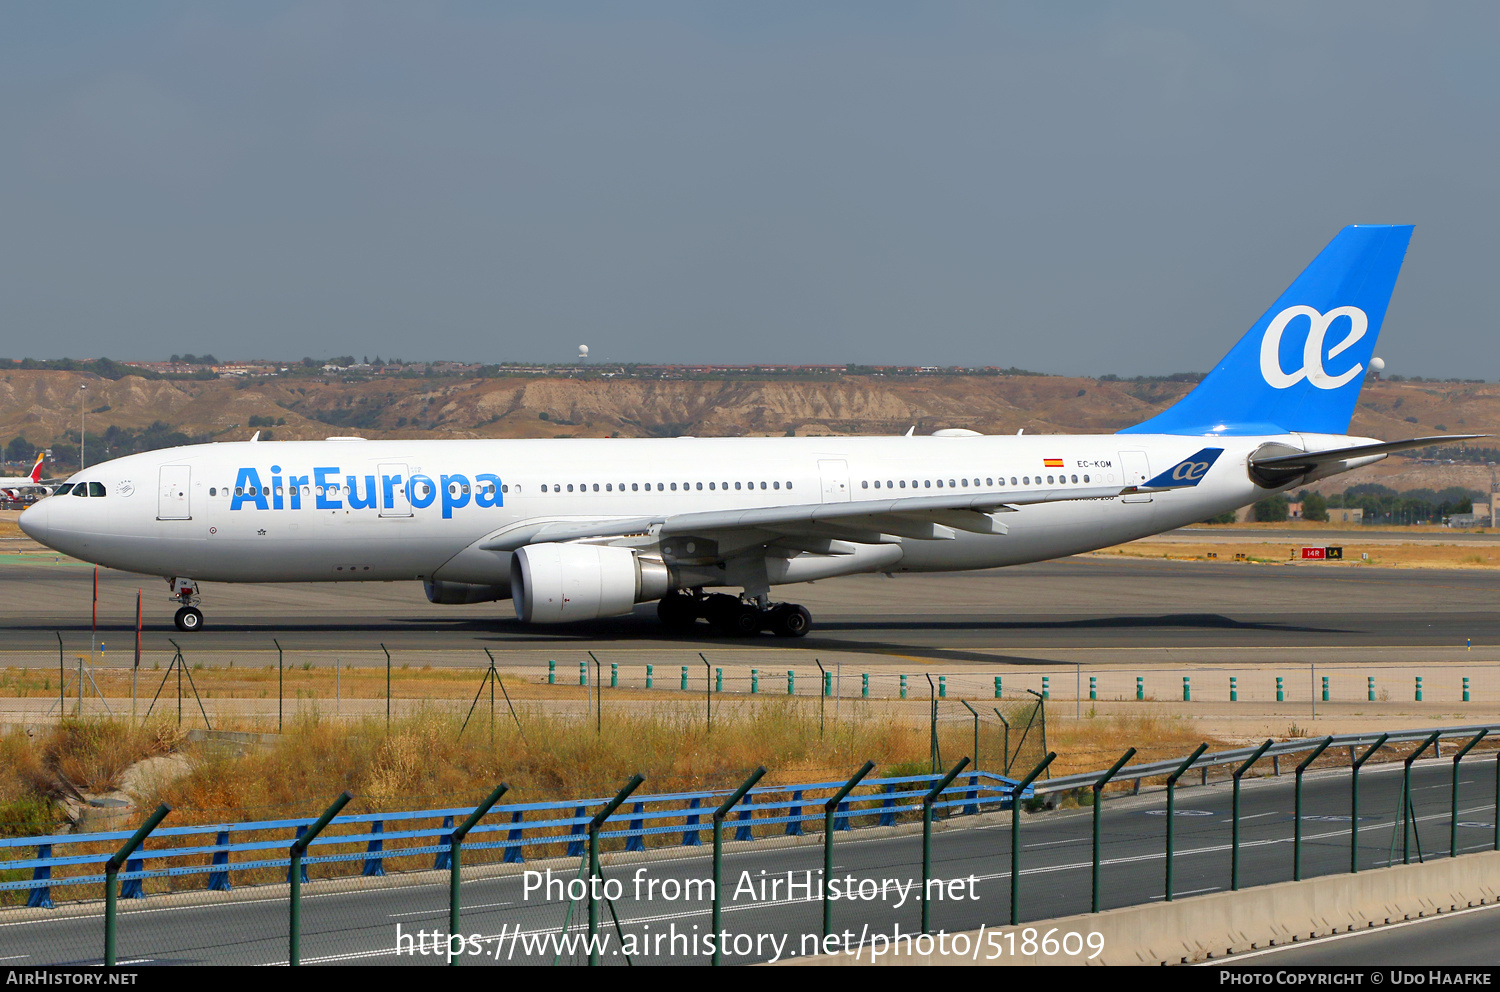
[
  {"x": 400, "y": 506},
  {"x": 173, "y": 495},
  {"x": 835, "y": 476}
]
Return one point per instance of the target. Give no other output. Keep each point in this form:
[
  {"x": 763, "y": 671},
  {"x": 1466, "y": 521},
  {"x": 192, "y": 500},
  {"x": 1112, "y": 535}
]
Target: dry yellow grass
[{"x": 1282, "y": 552}]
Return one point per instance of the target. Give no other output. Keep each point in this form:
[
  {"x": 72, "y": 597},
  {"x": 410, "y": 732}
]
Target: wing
[{"x": 864, "y": 521}]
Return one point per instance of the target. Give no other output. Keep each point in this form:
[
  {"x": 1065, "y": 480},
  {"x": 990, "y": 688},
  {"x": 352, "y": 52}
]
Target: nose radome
[{"x": 33, "y": 521}]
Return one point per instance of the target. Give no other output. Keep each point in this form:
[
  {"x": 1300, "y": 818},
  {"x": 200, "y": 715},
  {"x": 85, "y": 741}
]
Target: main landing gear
[
  {"x": 188, "y": 616},
  {"x": 733, "y": 616}
]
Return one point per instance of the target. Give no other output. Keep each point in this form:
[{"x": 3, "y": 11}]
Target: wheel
[
  {"x": 790, "y": 620},
  {"x": 744, "y": 622},
  {"x": 188, "y": 618},
  {"x": 677, "y": 611}
]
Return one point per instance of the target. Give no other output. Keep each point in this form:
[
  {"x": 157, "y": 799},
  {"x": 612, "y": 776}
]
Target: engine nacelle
[
  {"x": 462, "y": 593},
  {"x": 558, "y": 583}
]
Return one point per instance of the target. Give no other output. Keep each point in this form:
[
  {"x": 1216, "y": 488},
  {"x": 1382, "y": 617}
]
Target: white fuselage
[{"x": 351, "y": 510}]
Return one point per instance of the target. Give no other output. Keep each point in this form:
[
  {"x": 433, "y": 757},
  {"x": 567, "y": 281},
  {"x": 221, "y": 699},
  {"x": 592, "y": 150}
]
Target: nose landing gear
[
  {"x": 188, "y": 616},
  {"x": 733, "y": 616}
]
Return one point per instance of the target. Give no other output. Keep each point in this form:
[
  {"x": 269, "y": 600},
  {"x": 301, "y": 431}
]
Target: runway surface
[
  {"x": 344, "y": 922},
  {"x": 1025, "y": 614}
]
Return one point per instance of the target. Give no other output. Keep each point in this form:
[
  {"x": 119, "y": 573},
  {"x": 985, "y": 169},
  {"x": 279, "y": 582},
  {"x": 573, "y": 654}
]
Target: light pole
[{"x": 82, "y": 427}]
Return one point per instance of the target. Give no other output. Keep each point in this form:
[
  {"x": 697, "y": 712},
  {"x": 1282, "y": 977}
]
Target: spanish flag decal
[{"x": 1052, "y": 462}]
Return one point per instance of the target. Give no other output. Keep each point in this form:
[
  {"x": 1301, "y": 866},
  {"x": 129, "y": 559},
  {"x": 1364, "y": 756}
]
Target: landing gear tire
[
  {"x": 744, "y": 622},
  {"x": 790, "y": 620},
  {"x": 188, "y": 618},
  {"x": 677, "y": 611}
]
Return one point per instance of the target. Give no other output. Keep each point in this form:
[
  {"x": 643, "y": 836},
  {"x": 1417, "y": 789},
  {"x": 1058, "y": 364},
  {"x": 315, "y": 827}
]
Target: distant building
[{"x": 1346, "y": 515}]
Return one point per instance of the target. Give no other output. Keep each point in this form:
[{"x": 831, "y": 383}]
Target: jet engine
[{"x": 557, "y": 583}]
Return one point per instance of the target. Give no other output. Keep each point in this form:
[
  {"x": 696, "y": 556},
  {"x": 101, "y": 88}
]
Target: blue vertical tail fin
[{"x": 1300, "y": 368}]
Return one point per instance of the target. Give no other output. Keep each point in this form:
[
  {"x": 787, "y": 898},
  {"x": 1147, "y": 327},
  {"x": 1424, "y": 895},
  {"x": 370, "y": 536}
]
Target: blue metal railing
[{"x": 681, "y": 813}]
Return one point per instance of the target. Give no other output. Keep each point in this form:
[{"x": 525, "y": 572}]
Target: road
[{"x": 345, "y": 922}]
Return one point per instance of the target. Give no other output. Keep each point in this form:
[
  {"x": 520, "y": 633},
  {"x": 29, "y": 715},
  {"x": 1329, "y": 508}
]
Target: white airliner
[
  {"x": 24, "y": 481},
  {"x": 586, "y": 528}
]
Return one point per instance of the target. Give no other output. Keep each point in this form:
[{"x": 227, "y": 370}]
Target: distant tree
[
  {"x": 310, "y": 363},
  {"x": 20, "y": 450},
  {"x": 1226, "y": 517},
  {"x": 1271, "y": 509},
  {"x": 1314, "y": 507}
]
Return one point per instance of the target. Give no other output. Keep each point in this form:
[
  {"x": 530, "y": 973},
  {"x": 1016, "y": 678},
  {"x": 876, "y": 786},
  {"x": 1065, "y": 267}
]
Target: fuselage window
[
  {"x": 212, "y": 491},
  {"x": 903, "y": 483},
  {"x": 1049, "y": 480},
  {"x": 570, "y": 487},
  {"x": 989, "y": 482},
  {"x": 789, "y": 485},
  {"x": 866, "y": 484},
  {"x": 674, "y": 487},
  {"x": 889, "y": 484},
  {"x": 503, "y": 489},
  {"x": 1075, "y": 478},
  {"x": 736, "y": 485},
  {"x": 596, "y": 487},
  {"x": 700, "y": 485},
  {"x": 965, "y": 482},
  {"x": 775, "y": 485},
  {"x": 712, "y": 485},
  {"x": 1013, "y": 480},
  {"x": 544, "y": 487},
  {"x": 306, "y": 491},
  {"x": 635, "y": 487},
  {"x": 940, "y": 483},
  {"x": 1025, "y": 480},
  {"x": 278, "y": 491},
  {"x": 927, "y": 483},
  {"x": 1085, "y": 478}
]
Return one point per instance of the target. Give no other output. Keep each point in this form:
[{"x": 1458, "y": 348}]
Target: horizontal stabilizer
[{"x": 1307, "y": 460}]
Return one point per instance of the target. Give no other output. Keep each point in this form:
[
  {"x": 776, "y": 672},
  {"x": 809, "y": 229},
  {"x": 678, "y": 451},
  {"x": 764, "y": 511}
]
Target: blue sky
[{"x": 1079, "y": 188}]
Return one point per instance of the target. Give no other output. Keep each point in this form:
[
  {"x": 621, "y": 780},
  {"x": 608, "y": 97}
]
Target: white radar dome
[
  {"x": 1377, "y": 364},
  {"x": 583, "y": 351}
]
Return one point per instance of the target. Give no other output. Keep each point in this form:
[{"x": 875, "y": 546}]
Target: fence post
[
  {"x": 754, "y": 681},
  {"x": 927, "y": 801},
  {"x": 594, "y": 824},
  {"x": 1005, "y": 769},
  {"x": 690, "y": 832},
  {"x": 1280, "y": 690},
  {"x": 218, "y": 881},
  {"x": 1297, "y": 815},
  {"x": 1234, "y": 689},
  {"x": 299, "y": 847},
  {"x": 650, "y": 675},
  {"x": 112, "y": 871},
  {"x": 828, "y": 810},
  {"x": 614, "y": 675},
  {"x": 636, "y": 842},
  {"x": 1098, "y": 801},
  {"x": 1406, "y": 817},
  {"x": 718, "y": 870},
  {"x": 1015, "y": 836},
  {"x": 1453, "y": 821},
  {"x": 455, "y": 847},
  {"x": 1325, "y": 688},
  {"x": 515, "y": 853},
  {"x": 40, "y": 896},
  {"x": 684, "y": 678},
  {"x": 1187, "y": 689},
  {"x": 1370, "y": 687},
  {"x": 1093, "y": 688},
  {"x": 1234, "y": 842},
  {"x": 1357, "y": 764},
  {"x": 1171, "y": 810},
  {"x": 1140, "y": 688}
]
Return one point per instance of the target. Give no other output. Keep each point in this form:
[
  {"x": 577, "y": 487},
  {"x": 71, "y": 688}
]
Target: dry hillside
[{"x": 44, "y": 405}]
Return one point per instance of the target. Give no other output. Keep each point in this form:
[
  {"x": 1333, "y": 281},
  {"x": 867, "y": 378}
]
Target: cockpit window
[
  {"x": 96, "y": 489},
  {"x": 64, "y": 489},
  {"x": 82, "y": 489}
]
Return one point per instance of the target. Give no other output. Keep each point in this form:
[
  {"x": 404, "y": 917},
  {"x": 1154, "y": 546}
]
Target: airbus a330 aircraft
[
  {"x": 23, "y": 481},
  {"x": 586, "y": 528}
]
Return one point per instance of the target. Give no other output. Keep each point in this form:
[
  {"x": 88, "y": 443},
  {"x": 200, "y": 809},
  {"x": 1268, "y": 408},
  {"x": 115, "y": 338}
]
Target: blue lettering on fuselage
[{"x": 364, "y": 492}]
